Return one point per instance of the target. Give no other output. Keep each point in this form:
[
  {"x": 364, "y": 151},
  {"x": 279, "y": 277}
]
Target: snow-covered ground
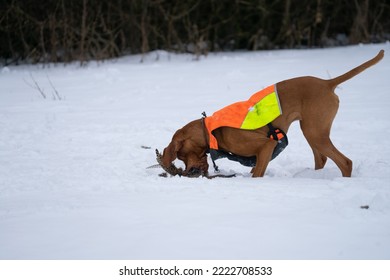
[{"x": 74, "y": 183}]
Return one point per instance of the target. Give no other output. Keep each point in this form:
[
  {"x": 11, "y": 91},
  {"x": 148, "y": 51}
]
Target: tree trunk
[{"x": 359, "y": 30}]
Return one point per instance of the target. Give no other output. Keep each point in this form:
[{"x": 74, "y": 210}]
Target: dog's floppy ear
[{"x": 170, "y": 152}]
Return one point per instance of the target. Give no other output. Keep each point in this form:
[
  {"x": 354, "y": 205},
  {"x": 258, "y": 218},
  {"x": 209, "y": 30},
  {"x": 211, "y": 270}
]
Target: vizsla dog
[{"x": 310, "y": 100}]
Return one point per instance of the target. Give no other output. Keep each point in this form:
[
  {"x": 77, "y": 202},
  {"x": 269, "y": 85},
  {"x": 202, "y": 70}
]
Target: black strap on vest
[
  {"x": 272, "y": 133},
  {"x": 280, "y": 136}
]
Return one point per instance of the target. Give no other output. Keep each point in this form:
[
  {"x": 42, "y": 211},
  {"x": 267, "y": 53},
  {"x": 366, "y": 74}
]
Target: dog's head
[{"x": 188, "y": 144}]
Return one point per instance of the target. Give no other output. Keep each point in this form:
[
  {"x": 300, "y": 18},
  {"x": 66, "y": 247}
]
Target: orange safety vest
[{"x": 259, "y": 110}]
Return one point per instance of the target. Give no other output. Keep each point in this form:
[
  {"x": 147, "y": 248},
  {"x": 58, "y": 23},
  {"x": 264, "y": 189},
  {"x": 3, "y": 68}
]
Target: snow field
[{"x": 74, "y": 183}]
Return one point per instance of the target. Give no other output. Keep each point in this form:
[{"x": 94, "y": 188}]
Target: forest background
[{"x": 33, "y": 31}]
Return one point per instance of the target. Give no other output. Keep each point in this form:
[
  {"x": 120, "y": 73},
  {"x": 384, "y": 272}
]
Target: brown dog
[{"x": 310, "y": 100}]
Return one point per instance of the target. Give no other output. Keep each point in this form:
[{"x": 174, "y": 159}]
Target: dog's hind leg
[
  {"x": 323, "y": 147},
  {"x": 319, "y": 159},
  {"x": 310, "y": 130},
  {"x": 345, "y": 164}
]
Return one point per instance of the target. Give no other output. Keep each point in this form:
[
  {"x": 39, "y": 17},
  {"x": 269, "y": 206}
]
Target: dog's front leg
[{"x": 263, "y": 158}]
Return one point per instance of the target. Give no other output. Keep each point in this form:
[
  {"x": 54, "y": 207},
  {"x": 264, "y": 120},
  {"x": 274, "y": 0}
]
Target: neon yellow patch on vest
[{"x": 263, "y": 112}]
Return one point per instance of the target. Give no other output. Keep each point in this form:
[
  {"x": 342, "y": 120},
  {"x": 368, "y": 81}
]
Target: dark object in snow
[
  {"x": 146, "y": 147},
  {"x": 154, "y": 166},
  {"x": 364, "y": 207}
]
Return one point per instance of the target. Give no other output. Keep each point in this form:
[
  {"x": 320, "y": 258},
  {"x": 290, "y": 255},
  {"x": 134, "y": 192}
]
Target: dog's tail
[{"x": 340, "y": 79}]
